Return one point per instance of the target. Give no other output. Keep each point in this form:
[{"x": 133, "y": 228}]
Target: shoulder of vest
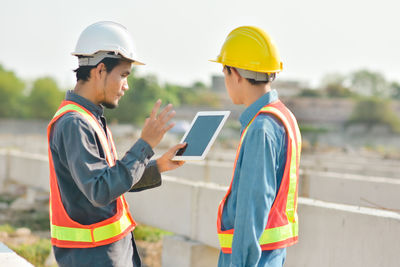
[
  {"x": 73, "y": 120},
  {"x": 267, "y": 119}
]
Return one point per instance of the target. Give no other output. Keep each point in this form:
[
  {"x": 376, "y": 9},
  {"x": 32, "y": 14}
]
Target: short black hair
[
  {"x": 83, "y": 72},
  {"x": 252, "y": 81}
]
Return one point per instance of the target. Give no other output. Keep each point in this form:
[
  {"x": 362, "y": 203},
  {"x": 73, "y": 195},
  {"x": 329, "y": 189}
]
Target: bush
[
  {"x": 375, "y": 111},
  {"x": 148, "y": 233},
  {"x": 35, "y": 253}
]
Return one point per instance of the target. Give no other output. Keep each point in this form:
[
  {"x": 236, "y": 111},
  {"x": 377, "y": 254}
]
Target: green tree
[
  {"x": 11, "y": 94},
  {"x": 138, "y": 101},
  {"x": 369, "y": 83},
  {"x": 375, "y": 111},
  {"x": 44, "y": 98},
  {"x": 395, "y": 90},
  {"x": 337, "y": 90},
  {"x": 310, "y": 93}
]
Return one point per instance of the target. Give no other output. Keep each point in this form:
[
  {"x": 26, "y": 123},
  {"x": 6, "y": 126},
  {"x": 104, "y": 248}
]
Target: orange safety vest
[
  {"x": 282, "y": 226},
  {"x": 68, "y": 233}
]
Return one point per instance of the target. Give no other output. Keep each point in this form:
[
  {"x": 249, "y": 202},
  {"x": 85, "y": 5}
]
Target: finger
[
  {"x": 168, "y": 127},
  {"x": 154, "y": 111},
  {"x": 169, "y": 117},
  {"x": 175, "y": 148},
  {"x": 165, "y": 111}
]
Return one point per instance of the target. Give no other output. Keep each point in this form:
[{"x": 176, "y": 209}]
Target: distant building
[
  {"x": 285, "y": 88},
  {"x": 218, "y": 83},
  {"x": 288, "y": 88}
]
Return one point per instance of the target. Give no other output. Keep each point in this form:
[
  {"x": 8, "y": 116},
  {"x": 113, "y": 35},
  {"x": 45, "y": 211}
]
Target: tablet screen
[{"x": 200, "y": 135}]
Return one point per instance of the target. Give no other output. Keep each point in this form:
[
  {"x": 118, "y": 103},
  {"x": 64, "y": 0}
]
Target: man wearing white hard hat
[{"x": 91, "y": 224}]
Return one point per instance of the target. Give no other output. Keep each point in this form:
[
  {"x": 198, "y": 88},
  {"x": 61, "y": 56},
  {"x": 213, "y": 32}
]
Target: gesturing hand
[
  {"x": 156, "y": 125},
  {"x": 165, "y": 162}
]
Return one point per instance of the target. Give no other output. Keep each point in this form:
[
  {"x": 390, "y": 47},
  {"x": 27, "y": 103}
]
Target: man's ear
[
  {"x": 236, "y": 75},
  {"x": 99, "y": 71}
]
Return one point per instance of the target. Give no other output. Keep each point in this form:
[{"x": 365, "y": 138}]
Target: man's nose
[{"x": 125, "y": 87}]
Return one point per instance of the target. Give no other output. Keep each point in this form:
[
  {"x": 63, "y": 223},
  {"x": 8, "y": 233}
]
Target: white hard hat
[{"x": 104, "y": 39}]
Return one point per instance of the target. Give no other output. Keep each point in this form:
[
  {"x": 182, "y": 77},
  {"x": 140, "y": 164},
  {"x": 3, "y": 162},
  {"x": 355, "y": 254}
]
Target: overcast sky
[{"x": 175, "y": 38}]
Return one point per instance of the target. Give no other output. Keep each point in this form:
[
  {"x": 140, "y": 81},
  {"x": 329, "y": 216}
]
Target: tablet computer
[{"x": 201, "y": 135}]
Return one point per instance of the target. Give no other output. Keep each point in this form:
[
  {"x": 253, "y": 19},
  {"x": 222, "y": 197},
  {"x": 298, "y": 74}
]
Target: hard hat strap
[
  {"x": 94, "y": 59},
  {"x": 258, "y": 76}
]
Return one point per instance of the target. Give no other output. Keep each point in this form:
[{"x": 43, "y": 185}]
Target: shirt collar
[
  {"x": 96, "y": 110},
  {"x": 249, "y": 113}
]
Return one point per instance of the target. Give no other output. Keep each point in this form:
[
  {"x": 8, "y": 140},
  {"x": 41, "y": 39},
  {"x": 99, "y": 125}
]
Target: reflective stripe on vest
[
  {"x": 287, "y": 233},
  {"x": 64, "y": 231}
]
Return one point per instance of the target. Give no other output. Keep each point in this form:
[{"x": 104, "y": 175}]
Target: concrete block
[
  {"x": 29, "y": 169},
  {"x": 10, "y": 258},
  {"x": 206, "y": 220},
  {"x": 167, "y": 207},
  {"x": 342, "y": 235},
  {"x": 179, "y": 251},
  {"x": 358, "y": 190},
  {"x": 205, "y": 171}
]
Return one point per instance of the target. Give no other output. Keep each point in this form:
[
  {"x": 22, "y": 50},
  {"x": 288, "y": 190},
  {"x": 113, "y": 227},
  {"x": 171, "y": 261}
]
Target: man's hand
[
  {"x": 165, "y": 162},
  {"x": 156, "y": 125}
]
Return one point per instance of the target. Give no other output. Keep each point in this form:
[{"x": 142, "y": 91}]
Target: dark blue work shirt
[{"x": 89, "y": 187}]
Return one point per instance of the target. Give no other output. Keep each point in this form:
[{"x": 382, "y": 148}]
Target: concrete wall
[
  {"x": 339, "y": 235},
  {"x": 346, "y": 188},
  {"x": 358, "y": 190},
  {"x": 11, "y": 259},
  {"x": 330, "y": 234},
  {"x": 29, "y": 169}
]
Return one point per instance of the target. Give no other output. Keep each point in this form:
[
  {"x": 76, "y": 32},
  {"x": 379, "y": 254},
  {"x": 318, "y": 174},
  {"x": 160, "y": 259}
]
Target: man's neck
[
  {"x": 253, "y": 93},
  {"x": 85, "y": 90}
]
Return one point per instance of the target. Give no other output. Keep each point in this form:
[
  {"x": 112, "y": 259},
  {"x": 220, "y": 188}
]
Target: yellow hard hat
[{"x": 250, "y": 48}]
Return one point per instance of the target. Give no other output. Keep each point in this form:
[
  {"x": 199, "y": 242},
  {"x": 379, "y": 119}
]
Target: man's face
[{"x": 115, "y": 84}]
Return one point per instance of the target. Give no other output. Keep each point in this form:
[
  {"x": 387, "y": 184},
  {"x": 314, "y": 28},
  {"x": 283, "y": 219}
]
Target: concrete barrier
[
  {"x": 29, "y": 169},
  {"x": 330, "y": 234},
  {"x": 352, "y": 189},
  {"x": 373, "y": 167},
  {"x": 11, "y": 259},
  {"x": 342, "y": 235},
  {"x": 218, "y": 172}
]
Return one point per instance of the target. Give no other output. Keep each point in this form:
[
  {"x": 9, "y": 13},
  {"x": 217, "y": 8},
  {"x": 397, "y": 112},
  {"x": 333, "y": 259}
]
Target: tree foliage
[
  {"x": 369, "y": 83},
  {"x": 138, "y": 101},
  {"x": 44, "y": 98},
  {"x": 373, "y": 111},
  {"x": 11, "y": 94}
]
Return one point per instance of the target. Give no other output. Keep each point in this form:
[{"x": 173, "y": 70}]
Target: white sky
[{"x": 175, "y": 38}]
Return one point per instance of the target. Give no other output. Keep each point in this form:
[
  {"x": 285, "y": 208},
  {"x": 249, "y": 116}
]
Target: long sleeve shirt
[
  {"x": 257, "y": 178},
  {"x": 89, "y": 187}
]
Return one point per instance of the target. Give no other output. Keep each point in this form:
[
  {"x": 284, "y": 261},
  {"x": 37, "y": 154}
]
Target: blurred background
[{"x": 341, "y": 80}]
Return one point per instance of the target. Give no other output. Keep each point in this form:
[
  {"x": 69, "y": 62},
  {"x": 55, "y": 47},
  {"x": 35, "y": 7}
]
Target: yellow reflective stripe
[
  {"x": 99, "y": 233},
  {"x": 70, "y": 234},
  {"x": 268, "y": 236},
  {"x": 112, "y": 229},
  {"x": 225, "y": 240},
  {"x": 277, "y": 234},
  {"x": 290, "y": 206},
  {"x": 298, "y": 134},
  {"x": 94, "y": 124}
]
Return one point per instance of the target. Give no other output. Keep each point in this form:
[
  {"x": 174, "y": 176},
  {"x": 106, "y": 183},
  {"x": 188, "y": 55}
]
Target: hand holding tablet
[{"x": 201, "y": 135}]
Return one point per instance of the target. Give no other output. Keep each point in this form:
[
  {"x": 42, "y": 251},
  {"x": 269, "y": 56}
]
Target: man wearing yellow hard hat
[{"x": 257, "y": 218}]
